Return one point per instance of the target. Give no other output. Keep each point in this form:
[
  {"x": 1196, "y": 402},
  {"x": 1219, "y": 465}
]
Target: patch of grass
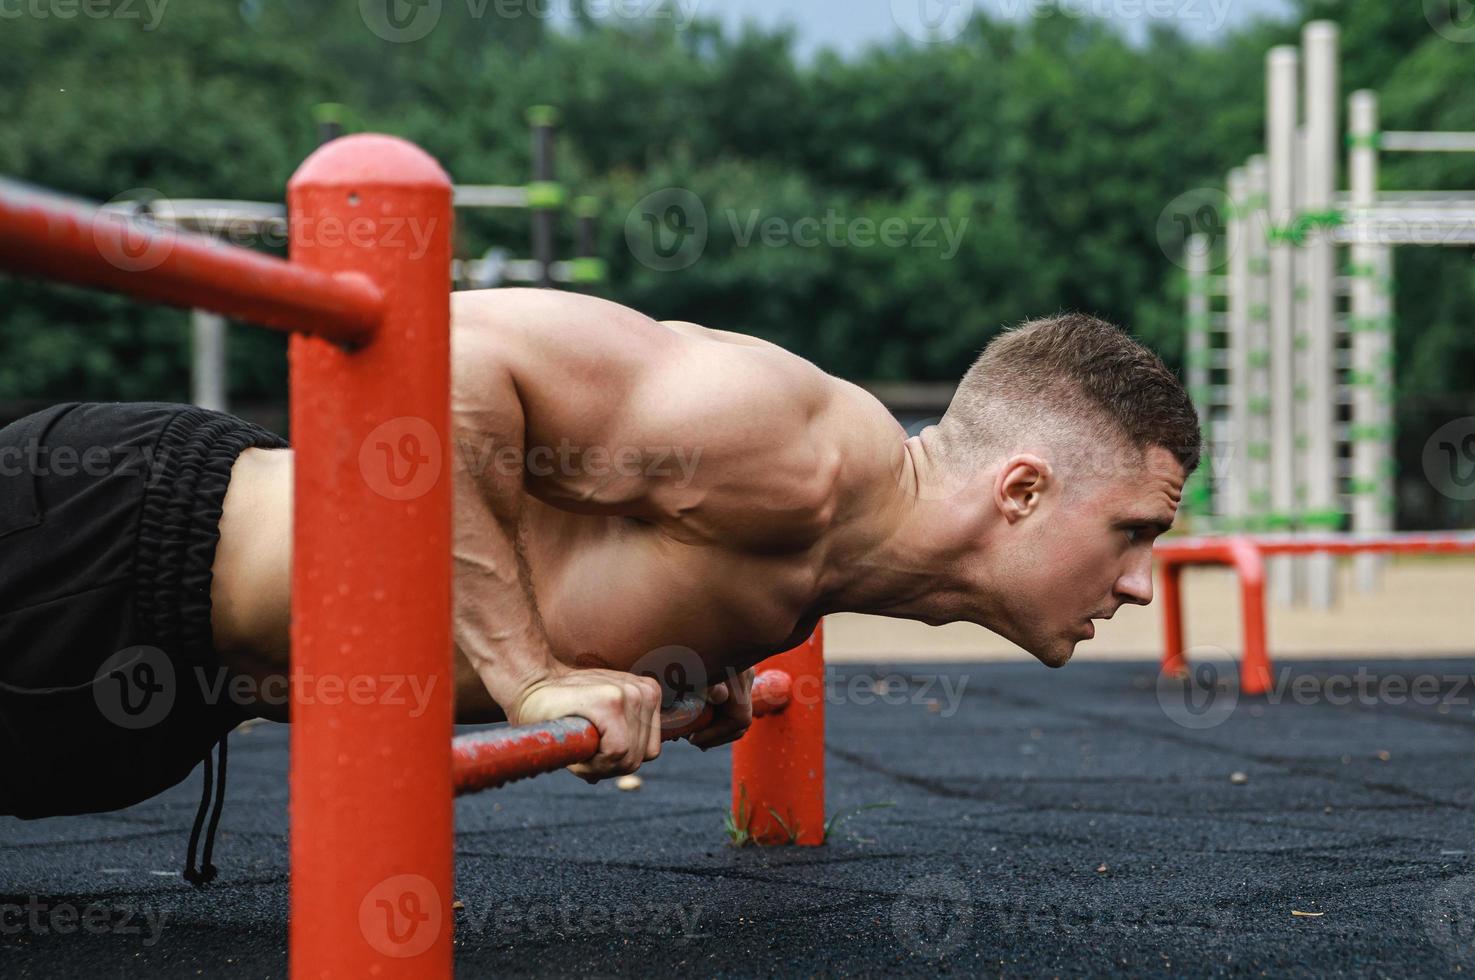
[
  {"x": 737, "y": 824},
  {"x": 842, "y": 815}
]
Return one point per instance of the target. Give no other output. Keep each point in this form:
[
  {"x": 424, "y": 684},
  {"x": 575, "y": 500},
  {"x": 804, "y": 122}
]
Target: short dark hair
[{"x": 1074, "y": 367}]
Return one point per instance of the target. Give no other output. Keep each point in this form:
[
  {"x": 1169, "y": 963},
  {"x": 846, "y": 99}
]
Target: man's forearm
[{"x": 497, "y": 626}]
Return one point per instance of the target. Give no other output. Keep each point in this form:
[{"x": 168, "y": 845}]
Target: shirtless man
[
  {"x": 699, "y": 489},
  {"x": 671, "y": 488}
]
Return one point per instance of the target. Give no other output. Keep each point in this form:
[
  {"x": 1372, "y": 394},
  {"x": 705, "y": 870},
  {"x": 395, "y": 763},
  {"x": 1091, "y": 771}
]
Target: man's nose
[{"x": 1135, "y": 585}]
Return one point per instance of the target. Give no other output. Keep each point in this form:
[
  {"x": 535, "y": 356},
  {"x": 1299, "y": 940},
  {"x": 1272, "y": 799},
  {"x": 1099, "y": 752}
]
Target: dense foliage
[{"x": 1056, "y": 139}]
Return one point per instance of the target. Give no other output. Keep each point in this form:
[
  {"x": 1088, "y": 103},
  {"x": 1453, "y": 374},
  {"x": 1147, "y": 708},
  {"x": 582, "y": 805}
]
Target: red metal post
[
  {"x": 371, "y": 831},
  {"x": 1254, "y": 664},
  {"x": 778, "y": 766},
  {"x": 1174, "y": 663}
]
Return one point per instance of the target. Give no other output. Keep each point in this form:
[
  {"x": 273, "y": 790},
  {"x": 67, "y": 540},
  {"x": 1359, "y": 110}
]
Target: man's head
[{"x": 1075, "y": 440}]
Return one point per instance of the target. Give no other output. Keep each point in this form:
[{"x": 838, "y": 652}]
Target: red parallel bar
[
  {"x": 371, "y": 828},
  {"x": 1399, "y": 544},
  {"x": 54, "y": 237},
  {"x": 1245, "y": 554},
  {"x": 778, "y": 767},
  {"x": 485, "y": 760}
]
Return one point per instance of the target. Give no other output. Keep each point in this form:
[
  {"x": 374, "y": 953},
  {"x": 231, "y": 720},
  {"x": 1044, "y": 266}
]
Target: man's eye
[{"x": 1133, "y": 534}]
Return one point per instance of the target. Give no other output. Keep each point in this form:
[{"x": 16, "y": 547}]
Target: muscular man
[{"x": 624, "y": 488}]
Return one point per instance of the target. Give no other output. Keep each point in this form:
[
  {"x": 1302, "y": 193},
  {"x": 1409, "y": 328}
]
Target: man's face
[{"x": 1088, "y": 551}]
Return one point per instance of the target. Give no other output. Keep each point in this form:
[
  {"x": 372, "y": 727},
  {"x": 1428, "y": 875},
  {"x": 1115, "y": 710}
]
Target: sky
[{"x": 848, "y": 25}]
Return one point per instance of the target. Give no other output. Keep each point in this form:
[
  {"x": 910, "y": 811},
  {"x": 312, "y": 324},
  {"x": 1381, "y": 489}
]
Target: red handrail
[
  {"x": 54, "y": 237},
  {"x": 1245, "y": 554}
]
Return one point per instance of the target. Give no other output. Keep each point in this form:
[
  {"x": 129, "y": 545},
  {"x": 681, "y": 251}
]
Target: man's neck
[{"x": 902, "y": 556}]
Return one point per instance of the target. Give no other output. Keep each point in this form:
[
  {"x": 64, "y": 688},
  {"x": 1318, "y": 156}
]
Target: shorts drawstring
[{"x": 206, "y": 873}]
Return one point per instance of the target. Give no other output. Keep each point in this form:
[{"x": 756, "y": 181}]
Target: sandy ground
[{"x": 1426, "y": 607}]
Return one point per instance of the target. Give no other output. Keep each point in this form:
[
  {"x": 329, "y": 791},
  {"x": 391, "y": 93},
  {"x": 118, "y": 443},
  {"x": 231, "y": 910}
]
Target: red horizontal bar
[
  {"x": 53, "y": 237},
  {"x": 485, "y": 760},
  {"x": 1204, "y": 550}
]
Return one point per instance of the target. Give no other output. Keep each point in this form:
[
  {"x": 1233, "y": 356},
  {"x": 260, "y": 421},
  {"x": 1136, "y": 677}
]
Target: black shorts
[{"x": 109, "y": 518}]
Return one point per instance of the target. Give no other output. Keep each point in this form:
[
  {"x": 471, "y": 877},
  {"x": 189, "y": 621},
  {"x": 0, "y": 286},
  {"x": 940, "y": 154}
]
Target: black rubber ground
[{"x": 1082, "y": 822}]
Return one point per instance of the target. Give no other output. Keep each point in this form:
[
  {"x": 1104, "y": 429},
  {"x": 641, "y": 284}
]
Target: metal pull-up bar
[{"x": 53, "y": 237}]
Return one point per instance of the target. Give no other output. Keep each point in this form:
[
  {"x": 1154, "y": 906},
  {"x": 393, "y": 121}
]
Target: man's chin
[{"x": 1056, "y": 656}]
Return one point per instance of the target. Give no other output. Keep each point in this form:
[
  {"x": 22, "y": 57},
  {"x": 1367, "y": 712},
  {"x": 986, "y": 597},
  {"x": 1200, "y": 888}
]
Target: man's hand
[
  {"x": 625, "y": 708},
  {"x": 732, "y": 712}
]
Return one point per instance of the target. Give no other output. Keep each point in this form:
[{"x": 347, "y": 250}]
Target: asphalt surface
[{"x": 1083, "y": 822}]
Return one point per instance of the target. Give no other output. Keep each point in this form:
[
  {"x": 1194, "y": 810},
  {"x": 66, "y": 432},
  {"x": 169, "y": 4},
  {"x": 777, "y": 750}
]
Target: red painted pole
[
  {"x": 1254, "y": 665},
  {"x": 778, "y": 766},
  {"x": 54, "y": 237},
  {"x": 371, "y": 830}
]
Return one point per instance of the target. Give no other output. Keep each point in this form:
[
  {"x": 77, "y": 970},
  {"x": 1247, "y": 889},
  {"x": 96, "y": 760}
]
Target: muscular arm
[{"x": 613, "y": 413}]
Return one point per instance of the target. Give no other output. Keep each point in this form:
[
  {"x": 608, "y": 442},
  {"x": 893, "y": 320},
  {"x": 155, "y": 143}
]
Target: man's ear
[{"x": 1020, "y": 483}]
